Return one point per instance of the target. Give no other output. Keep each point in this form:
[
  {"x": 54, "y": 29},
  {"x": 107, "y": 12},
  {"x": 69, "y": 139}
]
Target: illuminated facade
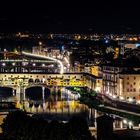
[{"x": 129, "y": 85}]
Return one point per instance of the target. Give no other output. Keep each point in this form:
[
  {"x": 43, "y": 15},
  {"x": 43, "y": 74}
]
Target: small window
[
  {"x": 127, "y": 83},
  {"x": 134, "y": 78},
  {"x": 134, "y": 90},
  {"x": 128, "y": 90},
  {"x": 127, "y": 78}
]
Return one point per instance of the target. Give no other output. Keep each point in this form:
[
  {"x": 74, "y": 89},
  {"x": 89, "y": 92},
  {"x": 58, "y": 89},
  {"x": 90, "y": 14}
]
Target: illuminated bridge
[{"x": 39, "y": 70}]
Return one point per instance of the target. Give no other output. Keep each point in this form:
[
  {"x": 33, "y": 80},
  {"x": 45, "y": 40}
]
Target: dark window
[
  {"x": 128, "y": 90},
  {"x": 127, "y": 78},
  {"x": 134, "y": 83},
  {"x": 127, "y": 83},
  {"x": 134, "y": 90},
  {"x": 134, "y": 78}
]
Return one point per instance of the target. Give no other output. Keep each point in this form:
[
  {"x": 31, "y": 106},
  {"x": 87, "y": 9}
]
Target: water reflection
[{"x": 59, "y": 104}]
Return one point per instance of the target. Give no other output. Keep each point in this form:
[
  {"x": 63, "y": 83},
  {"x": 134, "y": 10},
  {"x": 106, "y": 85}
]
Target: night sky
[{"x": 71, "y": 17}]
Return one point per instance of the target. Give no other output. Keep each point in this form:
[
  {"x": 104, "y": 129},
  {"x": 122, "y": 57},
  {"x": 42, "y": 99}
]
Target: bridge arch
[
  {"x": 37, "y": 92},
  {"x": 6, "y": 91}
]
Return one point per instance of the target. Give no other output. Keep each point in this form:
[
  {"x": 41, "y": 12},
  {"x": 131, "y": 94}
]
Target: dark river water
[{"x": 61, "y": 104}]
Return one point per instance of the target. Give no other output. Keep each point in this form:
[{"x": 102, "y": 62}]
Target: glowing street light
[
  {"x": 40, "y": 43},
  {"x": 34, "y": 64},
  {"x": 130, "y": 100},
  {"x": 114, "y": 96},
  {"x": 130, "y": 124},
  {"x": 121, "y": 98},
  {"x": 110, "y": 94},
  {"x": 138, "y": 102},
  {"x": 3, "y": 64},
  {"x": 125, "y": 121},
  {"x": 13, "y": 64}
]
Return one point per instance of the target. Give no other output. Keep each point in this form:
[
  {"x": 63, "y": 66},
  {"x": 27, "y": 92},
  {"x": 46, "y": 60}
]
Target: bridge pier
[
  {"x": 18, "y": 93},
  {"x": 43, "y": 93}
]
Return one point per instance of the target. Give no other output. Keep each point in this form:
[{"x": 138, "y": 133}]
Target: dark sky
[{"x": 70, "y": 16}]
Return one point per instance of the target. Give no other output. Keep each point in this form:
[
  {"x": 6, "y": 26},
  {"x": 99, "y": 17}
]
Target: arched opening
[
  {"x": 36, "y": 93},
  {"x": 6, "y": 92},
  {"x": 37, "y": 80},
  {"x": 30, "y": 81}
]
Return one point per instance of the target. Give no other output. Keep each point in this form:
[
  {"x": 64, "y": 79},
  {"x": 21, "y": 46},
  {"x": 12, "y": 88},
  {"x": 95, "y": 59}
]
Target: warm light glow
[
  {"x": 125, "y": 121},
  {"x": 121, "y": 98},
  {"x": 130, "y": 123},
  {"x": 130, "y": 100},
  {"x": 40, "y": 43},
  {"x": 114, "y": 96},
  {"x": 97, "y": 89},
  {"x": 13, "y": 64},
  {"x": 138, "y": 102}
]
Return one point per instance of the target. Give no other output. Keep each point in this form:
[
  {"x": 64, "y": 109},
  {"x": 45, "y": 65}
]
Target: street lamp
[
  {"x": 34, "y": 64},
  {"x": 40, "y": 43},
  {"x": 13, "y": 64},
  {"x": 3, "y": 64},
  {"x": 130, "y": 100}
]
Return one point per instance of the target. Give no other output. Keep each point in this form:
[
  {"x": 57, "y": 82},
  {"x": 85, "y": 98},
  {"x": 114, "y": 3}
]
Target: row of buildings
[{"x": 120, "y": 78}]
